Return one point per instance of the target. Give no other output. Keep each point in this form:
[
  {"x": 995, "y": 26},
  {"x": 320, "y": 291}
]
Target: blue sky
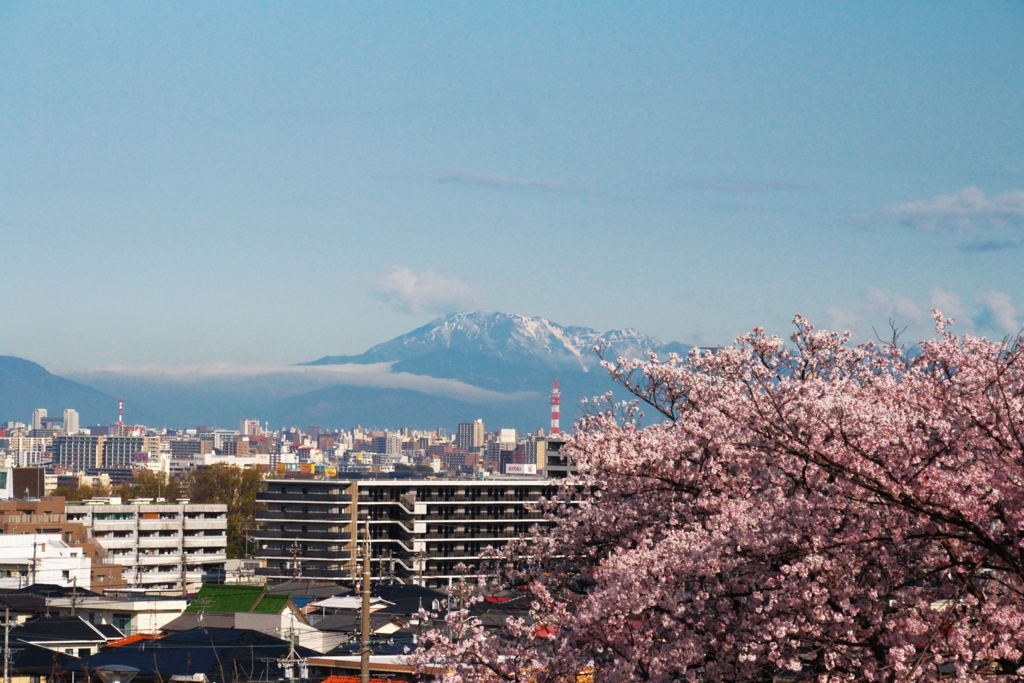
[{"x": 269, "y": 183}]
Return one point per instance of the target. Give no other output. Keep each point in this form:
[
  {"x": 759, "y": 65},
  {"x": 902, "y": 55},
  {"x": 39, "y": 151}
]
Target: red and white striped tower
[
  {"x": 120, "y": 412},
  {"x": 556, "y": 402}
]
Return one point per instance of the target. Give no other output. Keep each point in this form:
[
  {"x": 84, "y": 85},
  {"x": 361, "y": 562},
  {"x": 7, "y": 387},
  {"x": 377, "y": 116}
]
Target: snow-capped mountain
[{"x": 510, "y": 339}]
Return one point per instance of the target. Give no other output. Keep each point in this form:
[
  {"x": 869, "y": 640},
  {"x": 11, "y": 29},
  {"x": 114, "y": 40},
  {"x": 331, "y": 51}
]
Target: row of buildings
[
  {"x": 420, "y": 531},
  {"x": 470, "y": 451},
  {"x": 100, "y": 544}
]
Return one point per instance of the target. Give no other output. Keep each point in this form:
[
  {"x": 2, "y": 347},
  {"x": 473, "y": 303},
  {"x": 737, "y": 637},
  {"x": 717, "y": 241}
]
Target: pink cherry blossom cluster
[{"x": 811, "y": 510}]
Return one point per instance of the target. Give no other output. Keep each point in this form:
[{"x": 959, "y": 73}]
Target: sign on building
[{"x": 520, "y": 469}]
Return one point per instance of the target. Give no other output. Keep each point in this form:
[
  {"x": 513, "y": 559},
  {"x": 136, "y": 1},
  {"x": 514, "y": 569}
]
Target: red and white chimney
[
  {"x": 120, "y": 412},
  {"x": 556, "y": 402}
]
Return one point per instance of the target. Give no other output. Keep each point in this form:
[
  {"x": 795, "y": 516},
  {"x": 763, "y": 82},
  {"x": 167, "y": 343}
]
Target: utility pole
[
  {"x": 74, "y": 594},
  {"x": 364, "y": 650},
  {"x": 296, "y": 566},
  {"x": 7, "y": 651}
]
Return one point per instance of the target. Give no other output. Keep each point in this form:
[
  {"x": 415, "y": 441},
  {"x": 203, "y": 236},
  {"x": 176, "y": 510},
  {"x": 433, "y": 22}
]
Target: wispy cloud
[
  {"x": 967, "y": 211},
  {"x": 409, "y": 292},
  {"x": 304, "y": 378},
  {"x": 991, "y": 245},
  {"x": 951, "y": 307},
  {"x": 499, "y": 182},
  {"x": 736, "y": 185},
  {"x": 988, "y": 313},
  {"x": 1000, "y": 313},
  {"x": 872, "y": 311}
]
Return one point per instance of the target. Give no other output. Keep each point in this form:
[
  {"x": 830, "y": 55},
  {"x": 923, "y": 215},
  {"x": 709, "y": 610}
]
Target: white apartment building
[
  {"x": 177, "y": 465},
  {"x": 42, "y": 558},
  {"x": 71, "y": 422},
  {"x": 159, "y": 545}
]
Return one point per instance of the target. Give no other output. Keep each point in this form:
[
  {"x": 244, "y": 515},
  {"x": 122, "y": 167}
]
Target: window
[
  {"x": 123, "y": 623},
  {"x": 84, "y": 652},
  {"x": 66, "y": 575}
]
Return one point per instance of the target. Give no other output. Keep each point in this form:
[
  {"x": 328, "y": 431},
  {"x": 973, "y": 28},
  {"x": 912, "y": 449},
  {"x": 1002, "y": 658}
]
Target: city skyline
[{"x": 176, "y": 179}]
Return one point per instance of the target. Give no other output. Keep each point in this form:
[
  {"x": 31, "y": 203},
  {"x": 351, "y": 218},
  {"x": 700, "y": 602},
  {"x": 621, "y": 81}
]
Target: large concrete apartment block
[
  {"x": 420, "y": 529},
  {"x": 159, "y": 544}
]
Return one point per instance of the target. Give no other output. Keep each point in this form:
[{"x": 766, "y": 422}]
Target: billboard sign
[{"x": 520, "y": 469}]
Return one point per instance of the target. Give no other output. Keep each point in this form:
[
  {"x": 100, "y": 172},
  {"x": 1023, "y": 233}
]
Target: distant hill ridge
[
  {"x": 25, "y": 386},
  {"x": 501, "y": 352}
]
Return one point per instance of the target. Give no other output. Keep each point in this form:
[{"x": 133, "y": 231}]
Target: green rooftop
[
  {"x": 272, "y": 604},
  {"x": 214, "y": 597}
]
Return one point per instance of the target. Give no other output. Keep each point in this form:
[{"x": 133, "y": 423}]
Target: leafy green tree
[
  {"x": 148, "y": 484},
  {"x": 237, "y": 489},
  {"x": 67, "y": 493}
]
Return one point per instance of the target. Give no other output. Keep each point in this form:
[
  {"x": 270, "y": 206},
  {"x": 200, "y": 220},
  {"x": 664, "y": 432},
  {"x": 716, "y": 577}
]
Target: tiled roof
[
  {"x": 193, "y": 620},
  {"x": 223, "y": 655},
  {"x": 31, "y": 660},
  {"x": 64, "y": 629}
]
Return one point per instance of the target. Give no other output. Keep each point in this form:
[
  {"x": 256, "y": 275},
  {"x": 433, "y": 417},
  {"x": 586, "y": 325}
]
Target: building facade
[
  {"x": 26, "y": 559},
  {"x": 81, "y": 452},
  {"x": 46, "y": 516},
  {"x": 25, "y": 451},
  {"x": 78, "y": 452},
  {"x": 470, "y": 435},
  {"x": 419, "y": 529},
  {"x": 71, "y": 421},
  {"x": 160, "y": 546}
]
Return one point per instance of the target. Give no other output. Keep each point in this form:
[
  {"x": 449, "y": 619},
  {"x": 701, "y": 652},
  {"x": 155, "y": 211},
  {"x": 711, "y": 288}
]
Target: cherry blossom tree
[{"x": 805, "y": 510}]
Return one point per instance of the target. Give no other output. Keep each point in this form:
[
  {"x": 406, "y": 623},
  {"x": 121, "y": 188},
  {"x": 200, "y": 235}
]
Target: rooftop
[{"x": 232, "y": 598}]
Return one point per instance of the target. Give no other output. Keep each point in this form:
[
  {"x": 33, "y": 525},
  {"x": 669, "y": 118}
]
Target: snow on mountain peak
[{"x": 515, "y": 338}]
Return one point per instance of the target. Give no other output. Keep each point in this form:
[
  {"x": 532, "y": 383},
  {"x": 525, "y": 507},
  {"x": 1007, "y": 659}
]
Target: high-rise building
[
  {"x": 70, "y": 421},
  {"x": 534, "y": 452},
  {"x": 78, "y": 452},
  {"x": 250, "y": 428},
  {"x": 390, "y": 444},
  {"x": 421, "y": 531},
  {"x": 470, "y": 436},
  {"x": 37, "y": 418},
  {"x": 184, "y": 447},
  {"x": 495, "y": 449},
  {"x": 120, "y": 451}
]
